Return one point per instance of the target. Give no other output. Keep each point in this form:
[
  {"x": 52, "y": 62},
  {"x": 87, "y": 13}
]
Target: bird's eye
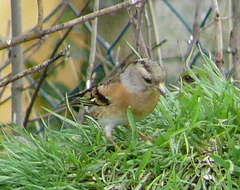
[{"x": 147, "y": 80}]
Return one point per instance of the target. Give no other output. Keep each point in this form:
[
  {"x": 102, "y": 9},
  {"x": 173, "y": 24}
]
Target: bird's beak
[{"x": 162, "y": 89}]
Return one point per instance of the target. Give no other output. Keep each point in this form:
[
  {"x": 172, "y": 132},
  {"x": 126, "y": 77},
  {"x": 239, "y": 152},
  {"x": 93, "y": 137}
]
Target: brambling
[{"x": 138, "y": 85}]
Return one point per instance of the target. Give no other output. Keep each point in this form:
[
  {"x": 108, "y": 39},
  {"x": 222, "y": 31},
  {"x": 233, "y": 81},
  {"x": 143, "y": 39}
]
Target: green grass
[{"x": 196, "y": 146}]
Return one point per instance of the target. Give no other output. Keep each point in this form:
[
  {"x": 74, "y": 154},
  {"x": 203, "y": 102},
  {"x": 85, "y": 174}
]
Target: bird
[{"x": 138, "y": 85}]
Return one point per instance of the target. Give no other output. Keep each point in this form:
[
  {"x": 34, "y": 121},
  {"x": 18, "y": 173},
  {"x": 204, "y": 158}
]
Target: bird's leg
[
  {"x": 110, "y": 139},
  {"x": 142, "y": 135},
  {"x": 108, "y": 132},
  {"x": 80, "y": 115}
]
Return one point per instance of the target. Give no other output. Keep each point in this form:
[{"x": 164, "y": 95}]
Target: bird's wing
[
  {"x": 96, "y": 95},
  {"x": 100, "y": 94}
]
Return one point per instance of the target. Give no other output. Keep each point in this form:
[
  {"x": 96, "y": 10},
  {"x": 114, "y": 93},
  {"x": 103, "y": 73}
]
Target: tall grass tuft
[{"x": 196, "y": 145}]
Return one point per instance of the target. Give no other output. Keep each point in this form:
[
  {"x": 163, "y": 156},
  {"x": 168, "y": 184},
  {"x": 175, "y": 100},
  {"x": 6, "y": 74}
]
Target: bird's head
[{"x": 143, "y": 75}]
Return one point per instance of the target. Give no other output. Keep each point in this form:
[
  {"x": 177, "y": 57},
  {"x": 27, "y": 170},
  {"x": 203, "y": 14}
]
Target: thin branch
[
  {"x": 230, "y": 27},
  {"x": 143, "y": 44},
  {"x": 155, "y": 29},
  {"x": 37, "y": 126},
  {"x": 138, "y": 28},
  {"x": 35, "y": 69},
  {"x": 219, "y": 35},
  {"x": 17, "y": 63},
  {"x": 34, "y": 50},
  {"x": 5, "y": 100},
  {"x": 196, "y": 31},
  {"x": 136, "y": 20},
  {"x": 8, "y": 62},
  {"x": 235, "y": 39},
  {"x": 9, "y": 97},
  {"x": 6, "y": 77},
  {"x": 196, "y": 24},
  {"x": 2, "y": 91},
  {"x": 34, "y": 45},
  {"x": 149, "y": 29},
  {"x": 40, "y": 14},
  {"x": 38, "y": 34},
  {"x": 93, "y": 46}
]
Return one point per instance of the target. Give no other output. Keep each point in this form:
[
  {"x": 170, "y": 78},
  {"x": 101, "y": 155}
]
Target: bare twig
[
  {"x": 9, "y": 97},
  {"x": 196, "y": 31},
  {"x": 138, "y": 25},
  {"x": 34, "y": 69},
  {"x": 136, "y": 20},
  {"x": 5, "y": 100},
  {"x": 17, "y": 63},
  {"x": 93, "y": 46},
  {"x": 2, "y": 91},
  {"x": 28, "y": 95},
  {"x": 149, "y": 29},
  {"x": 155, "y": 29},
  {"x": 235, "y": 39},
  {"x": 230, "y": 27},
  {"x": 8, "y": 62},
  {"x": 34, "y": 45},
  {"x": 6, "y": 77},
  {"x": 38, "y": 34},
  {"x": 34, "y": 50},
  {"x": 40, "y": 14},
  {"x": 219, "y": 35}
]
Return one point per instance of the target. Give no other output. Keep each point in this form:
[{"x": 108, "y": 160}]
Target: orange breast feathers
[{"x": 121, "y": 98}]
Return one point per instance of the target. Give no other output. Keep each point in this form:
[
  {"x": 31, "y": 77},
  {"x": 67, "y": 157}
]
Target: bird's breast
[{"x": 142, "y": 103}]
